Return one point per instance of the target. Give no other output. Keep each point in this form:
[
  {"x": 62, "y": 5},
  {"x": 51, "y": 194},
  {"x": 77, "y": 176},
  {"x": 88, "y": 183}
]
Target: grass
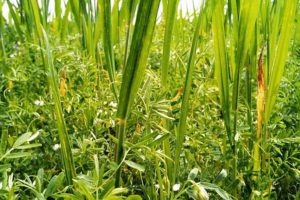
[
  {"x": 134, "y": 69},
  {"x": 123, "y": 100}
]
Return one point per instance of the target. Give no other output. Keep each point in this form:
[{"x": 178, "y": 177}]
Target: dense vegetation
[{"x": 115, "y": 100}]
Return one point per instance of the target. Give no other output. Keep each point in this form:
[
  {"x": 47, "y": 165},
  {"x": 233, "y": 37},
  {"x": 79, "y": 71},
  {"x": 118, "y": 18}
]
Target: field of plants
[{"x": 137, "y": 99}]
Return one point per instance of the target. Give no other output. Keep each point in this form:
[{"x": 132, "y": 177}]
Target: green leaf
[
  {"x": 222, "y": 193},
  {"x": 22, "y": 139},
  {"x": 186, "y": 95},
  {"x": 221, "y": 62},
  {"x": 134, "y": 165},
  {"x": 113, "y": 198},
  {"x": 193, "y": 174},
  {"x": 18, "y": 155},
  {"x": 29, "y": 146},
  {"x": 84, "y": 189},
  {"x": 134, "y": 71},
  {"x": 55, "y": 182},
  {"x": 4, "y": 167},
  {"x": 281, "y": 51},
  {"x": 67, "y": 157},
  {"x": 134, "y": 197},
  {"x": 108, "y": 42},
  {"x": 170, "y": 20}
]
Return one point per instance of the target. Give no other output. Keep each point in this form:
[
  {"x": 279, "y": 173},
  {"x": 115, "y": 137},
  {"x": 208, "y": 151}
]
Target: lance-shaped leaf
[{"x": 135, "y": 68}]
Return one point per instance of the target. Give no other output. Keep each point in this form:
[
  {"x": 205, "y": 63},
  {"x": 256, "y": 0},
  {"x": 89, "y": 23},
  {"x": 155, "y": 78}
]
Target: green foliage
[{"x": 115, "y": 100}]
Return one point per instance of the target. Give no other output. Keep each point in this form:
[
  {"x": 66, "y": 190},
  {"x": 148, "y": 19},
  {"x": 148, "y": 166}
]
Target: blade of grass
[
  {"x": 170, "y": 19},
  {"x": 186, "y": 95},
  {"x": 134, "y": 70},
  {"x": 260, "y": 110},
  {"x": 248, "y": 16},
  {"x": 3, "y": 142},
  {"x": 66, "y": 152},
  {"x": 16, "y": 18},
  {"x": 37, "y": 19},
  {"x": 74, "y": 4},
  {"x": 115, "y": 24},
  {"x": 108, "y": 43},
  {"x": 65, "y": 21},
  {"x": 221, "y": 63},
  {"x": 58, "y": 12},
  {"x": 281, "y": 51},
  {"x": 2, "y": 54},
  {"x": 131, "y": 13}
]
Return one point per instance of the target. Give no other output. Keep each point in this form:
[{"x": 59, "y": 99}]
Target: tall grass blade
[
  {"x": 171, "y": 16},
  {"x": 186, "y": 95},
  {"x": 65, "y": 21},
  {"x": 131, "y": 10},
  {"x": 115, "y": 23},
  {"x": 277, "y": 64},
  {"x": 16, "y": 18},
  {"x": 2, "y": 45},
  {"x": 108, "y": 42},
  {"x": 260, "y": 111},
  {"x": 37, "y": 19},
  {"x": 66, "y": 152},
  {"x": 134, "y": 70},
  {"x": 74, "y": 4},
  {"x": 58, "y": 12},
  {"x": 221, "y": 62}
]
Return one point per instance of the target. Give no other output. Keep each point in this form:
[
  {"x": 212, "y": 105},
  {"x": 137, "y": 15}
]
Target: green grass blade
[
  {"x": 131, "y": 7},
  {"x": 171, "y": 15},
  {"x": 186, "y": 95},
  {"x": 65, "y": 22},
  {"x": 221, "y": 63},
  {"x": 278, "y": 63},
  {"x": 66, "y": 152},
  {"x": 3, "y": 142},
  {"x": 247, "y": 20},
  {"x": 108, "y": 43},
  {"x": 135, "y": 69},
  {"x": 115, "y": 24},
  {"x": 74, "y": 4},
  {"x": 16, "y": 18},
  {"x": 98, "y": 24},
  {"x": 37, "y": 19},
  {"x": 2, "y": 45},
  {"x": 58, "y": 11}
]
